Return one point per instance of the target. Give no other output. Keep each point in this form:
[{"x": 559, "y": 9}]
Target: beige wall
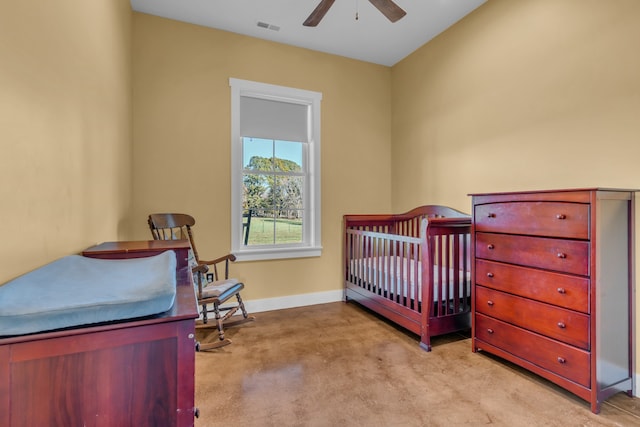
[
  {"x": 182, "y": 139},
  {"x": 519, "y": 95},
  {"x": 65, "y": 128}
]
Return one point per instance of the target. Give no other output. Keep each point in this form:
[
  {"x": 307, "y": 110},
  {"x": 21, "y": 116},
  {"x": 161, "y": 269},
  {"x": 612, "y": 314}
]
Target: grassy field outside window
[{"x": 261, "y": 231}]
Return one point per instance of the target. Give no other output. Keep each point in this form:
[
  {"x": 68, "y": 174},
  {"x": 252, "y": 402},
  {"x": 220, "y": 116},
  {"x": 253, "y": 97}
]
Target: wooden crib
[{"x": 413, "y": 268}]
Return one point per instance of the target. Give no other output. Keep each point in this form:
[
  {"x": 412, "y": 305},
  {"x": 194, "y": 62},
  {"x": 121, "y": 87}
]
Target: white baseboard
[{"x": 292, "y": 301}]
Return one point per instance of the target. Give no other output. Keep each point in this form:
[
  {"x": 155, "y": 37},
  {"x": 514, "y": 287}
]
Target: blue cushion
[{"x": 77, "y": 290}]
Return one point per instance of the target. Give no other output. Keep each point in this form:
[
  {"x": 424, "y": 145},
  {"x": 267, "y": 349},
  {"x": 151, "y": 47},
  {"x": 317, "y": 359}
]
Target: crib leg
[{"x": 425, "y": 343}]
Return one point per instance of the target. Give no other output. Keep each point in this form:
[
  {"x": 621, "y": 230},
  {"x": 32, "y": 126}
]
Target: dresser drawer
[
  {"x": 566, "y": 291},
  {"x": 561, "y": 359},
  {"x": 564, "y": 325},
  {"x": 567, "y": 256},
  {"x": 551, "y": 219}
]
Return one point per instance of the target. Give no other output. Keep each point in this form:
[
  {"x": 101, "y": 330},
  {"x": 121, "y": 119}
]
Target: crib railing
[
  {"x": 393, "y": 266},
  {"x": 405, "y": 224},
  {"x": 384, "y": 255},
  {"x": 385, "y": 264}
]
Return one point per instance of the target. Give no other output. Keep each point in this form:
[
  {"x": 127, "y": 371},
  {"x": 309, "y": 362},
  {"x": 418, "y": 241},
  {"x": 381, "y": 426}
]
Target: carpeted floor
[{"x": 340, "y": 365}]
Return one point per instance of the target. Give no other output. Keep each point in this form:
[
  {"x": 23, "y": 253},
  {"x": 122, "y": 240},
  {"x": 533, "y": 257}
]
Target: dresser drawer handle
[
  {"x": 490, "y": 303},
  {"x": 562, "y": 360},
  {"x": 561, "y": 216},
  {"x": 562, "y": 255},
  {"x": 490, "y": 246},
  {"x": 489, "y": 274},
  {"x": 491, "y": 215},
  {"x": 562, "y": 291},
  {"x": 490, "y": 330},
  {"x": 561, "y": 325}
]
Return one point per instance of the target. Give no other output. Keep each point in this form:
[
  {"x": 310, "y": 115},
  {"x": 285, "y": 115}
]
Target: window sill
[{"x": 262, "y": 254}]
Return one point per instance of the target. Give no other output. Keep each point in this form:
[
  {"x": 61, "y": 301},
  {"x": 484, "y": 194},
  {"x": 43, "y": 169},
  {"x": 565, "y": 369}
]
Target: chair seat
[{"x": 222, "y": 289}]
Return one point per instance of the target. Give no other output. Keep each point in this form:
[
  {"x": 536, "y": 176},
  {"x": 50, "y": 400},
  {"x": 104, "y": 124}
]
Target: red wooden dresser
[
  {"x": 552, "y": 290},
  {"x": 127, "y": 373}
]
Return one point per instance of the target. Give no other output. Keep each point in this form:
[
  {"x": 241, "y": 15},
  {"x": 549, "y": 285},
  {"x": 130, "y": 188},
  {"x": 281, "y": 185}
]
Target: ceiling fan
[{"x": 388, "y": 8}]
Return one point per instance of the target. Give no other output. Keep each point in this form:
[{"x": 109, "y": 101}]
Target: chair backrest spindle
[{"x": 167, "y": 226}]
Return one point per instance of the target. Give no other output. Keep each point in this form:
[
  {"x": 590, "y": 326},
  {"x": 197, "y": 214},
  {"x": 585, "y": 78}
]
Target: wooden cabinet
[
  {"x": 552, "y": 292},
  {"x": 138, "y": 372}
]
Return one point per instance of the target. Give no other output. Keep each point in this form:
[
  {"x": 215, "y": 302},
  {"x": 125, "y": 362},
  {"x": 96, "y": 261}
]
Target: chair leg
[
  {"x": 205, "y": 319},
  {"x": 222, "y": 322},
  {"x": 241, "y": 305},
  {"x": 219, "y": 321},
  {"x": 222, "y": 341},
  {"x": 245, "y": 316}
]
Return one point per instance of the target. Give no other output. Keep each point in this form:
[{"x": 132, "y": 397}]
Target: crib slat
[
  {"x": 449, "y": 276},
  {"x": 456, "y": 275},
  {"x": 416, "y": 277}
]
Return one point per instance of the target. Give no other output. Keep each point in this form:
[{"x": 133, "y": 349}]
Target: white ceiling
[{"x": 371, "y": 38}]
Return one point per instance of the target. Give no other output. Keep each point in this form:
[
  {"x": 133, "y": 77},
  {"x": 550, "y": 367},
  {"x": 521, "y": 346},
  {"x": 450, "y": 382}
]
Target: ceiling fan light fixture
[{"x": 388, "y": 8}]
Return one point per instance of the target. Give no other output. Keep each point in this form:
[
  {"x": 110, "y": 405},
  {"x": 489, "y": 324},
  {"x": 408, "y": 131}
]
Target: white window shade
[{"x": 269, "y": 119}]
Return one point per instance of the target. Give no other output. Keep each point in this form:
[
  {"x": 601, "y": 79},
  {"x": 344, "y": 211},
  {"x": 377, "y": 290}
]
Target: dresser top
[
  {"x": 576, "y": 195},
  {"x": 566, "y": 190}
]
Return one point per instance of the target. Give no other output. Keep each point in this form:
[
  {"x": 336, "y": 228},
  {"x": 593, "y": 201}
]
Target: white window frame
[{"x": 311, "y": 245}]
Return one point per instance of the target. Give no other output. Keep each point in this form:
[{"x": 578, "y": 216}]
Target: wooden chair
[{"x": 172, "y": 226}]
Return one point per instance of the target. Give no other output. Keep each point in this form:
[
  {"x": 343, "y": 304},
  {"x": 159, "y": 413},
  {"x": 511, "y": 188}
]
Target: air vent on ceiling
[{"x": 268, "y": 26}]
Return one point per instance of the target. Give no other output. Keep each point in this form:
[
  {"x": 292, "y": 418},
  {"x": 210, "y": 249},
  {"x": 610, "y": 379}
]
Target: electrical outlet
[{"x": 209, "y": 277}]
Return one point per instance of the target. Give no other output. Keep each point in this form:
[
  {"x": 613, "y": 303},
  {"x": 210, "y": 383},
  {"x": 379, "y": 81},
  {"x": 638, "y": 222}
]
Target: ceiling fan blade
[
  {"x": 318, "y": 13},
  {"x": 392, "y": 11}
]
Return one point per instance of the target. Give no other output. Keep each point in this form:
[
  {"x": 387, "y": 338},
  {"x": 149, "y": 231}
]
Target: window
[{"x": 275, "y": 182}]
